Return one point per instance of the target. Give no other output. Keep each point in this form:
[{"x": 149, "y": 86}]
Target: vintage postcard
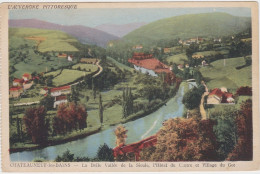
[{"x": 116, "y": 87}]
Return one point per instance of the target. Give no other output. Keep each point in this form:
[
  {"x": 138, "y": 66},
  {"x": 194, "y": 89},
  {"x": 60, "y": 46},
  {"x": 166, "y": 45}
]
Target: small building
[
  {"x": 27, "y": 85},
  {"x": 27, "y": 76},
  {"x": 15, "y": 92},
  {"x": 167, "y": 50},
  {"x": 70, "y": 58},
  {"x": 18, "y": 82},
  {"x": 59, "y": 100},
  {"x": 89, "y": 60},
  {"x": 187, "y": 66},
  {"x": 197, "y": 56},
  {"x": 180, "y": 66},
  {"x": 44, "y": 91},
  {"x": 62, "y": 55},
  {"x": 218, "y": 96},
  {"x": 63, "y": 90},
  {"x": 138, "y": 47},
  {"x": 204, "y": 63}
]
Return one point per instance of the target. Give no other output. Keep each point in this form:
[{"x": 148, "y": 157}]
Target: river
[{"x": 88, "y": 146}]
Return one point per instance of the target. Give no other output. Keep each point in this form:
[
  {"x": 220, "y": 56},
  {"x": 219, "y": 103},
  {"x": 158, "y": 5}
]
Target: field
[
  {"x": 68, "y": 76},
  {"x": 48, "y": 40},
  {"x": 86, "y": 67},
  {"x": 211, "y": 53},
  {"x": 53, "y": 73},
  {"x": 217, "y": 75},
  {"x": 178, "y": 58}
]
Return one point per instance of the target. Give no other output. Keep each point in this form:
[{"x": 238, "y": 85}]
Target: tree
[
  {"x": 105, "y": 153},
  {"x": 192, "y": 98},
  {"x": 121, "y": 136},
  {"x": 243, "y": 150},
  {"x": 100, "y": 109},
  {"x": 47, "y": 102},
  {"x": 69, "y": 117},
  {"x": 185, "y": 140},
  {"x": 36, "y": 124}
]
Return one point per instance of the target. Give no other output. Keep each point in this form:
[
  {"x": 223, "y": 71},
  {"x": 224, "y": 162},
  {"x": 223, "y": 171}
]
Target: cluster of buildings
[
  {"x": 220, "y": 95},
  {"x": 147, "y": 64},
  {"x": 191, "y": 41},
  {"x": 20, "y": 85},
  {"x": 60, "y": 95},
  {"x": 66, "y": 56}
]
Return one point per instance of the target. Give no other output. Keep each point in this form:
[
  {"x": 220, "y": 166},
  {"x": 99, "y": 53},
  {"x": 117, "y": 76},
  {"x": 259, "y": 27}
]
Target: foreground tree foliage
[
  {"x": 69, "y": 117},
  {"x": 244, "y": 148},
  {"x": 36, "y": 124},
  {"x": 184, "y": 140}
]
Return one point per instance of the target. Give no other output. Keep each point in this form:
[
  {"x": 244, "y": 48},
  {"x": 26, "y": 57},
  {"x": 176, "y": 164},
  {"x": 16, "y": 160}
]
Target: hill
[
  {"x": 45, "y": 40},
  {"x": 119, "y": 30},
  {"x": 35, "y": 50},
  {"x": 187, "y": 26},
  {"x": 82, "y": 33}
]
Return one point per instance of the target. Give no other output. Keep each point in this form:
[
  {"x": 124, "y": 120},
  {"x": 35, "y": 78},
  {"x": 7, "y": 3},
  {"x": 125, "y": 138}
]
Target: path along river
[{"x": 87, "y": 147}]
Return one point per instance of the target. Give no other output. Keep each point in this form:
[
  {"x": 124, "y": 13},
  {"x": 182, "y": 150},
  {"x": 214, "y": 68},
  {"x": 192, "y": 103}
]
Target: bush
[{"x": 105, "y": 153}]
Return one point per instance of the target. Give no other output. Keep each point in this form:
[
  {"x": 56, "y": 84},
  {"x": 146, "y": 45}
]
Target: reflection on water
[{"x": 87, "y": 147}]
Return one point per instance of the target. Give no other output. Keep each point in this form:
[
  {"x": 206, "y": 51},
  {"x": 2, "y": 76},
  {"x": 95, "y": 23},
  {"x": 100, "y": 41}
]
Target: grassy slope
[
  {"x": 178, "y": 58},
  {"x": 228, "y": 76},
  {"x": 54, "y": 40},
  {"x": 191, "y": 25}
]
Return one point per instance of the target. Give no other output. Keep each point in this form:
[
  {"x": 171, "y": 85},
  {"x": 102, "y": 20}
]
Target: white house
[
  {"x": 70, "y": 58},
  {"x": 59, "y": 100}
]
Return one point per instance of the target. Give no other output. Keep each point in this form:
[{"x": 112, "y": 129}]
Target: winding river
[{"x": 88, "y": 146}]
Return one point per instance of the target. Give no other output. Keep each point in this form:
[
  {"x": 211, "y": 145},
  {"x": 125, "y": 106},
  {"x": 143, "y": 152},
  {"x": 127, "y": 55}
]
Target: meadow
[
  {"x": 178, "y": 58},
  {"x": 85, "y": 67},
  {"x": 217, "y": 75}
]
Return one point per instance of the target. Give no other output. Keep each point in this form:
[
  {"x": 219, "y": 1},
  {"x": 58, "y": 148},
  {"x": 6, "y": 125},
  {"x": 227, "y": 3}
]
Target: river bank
[{"x": 89, "y": 131}]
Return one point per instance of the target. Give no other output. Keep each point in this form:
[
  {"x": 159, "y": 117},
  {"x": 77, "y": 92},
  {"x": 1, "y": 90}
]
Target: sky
[{"x": 94, "y": 17}]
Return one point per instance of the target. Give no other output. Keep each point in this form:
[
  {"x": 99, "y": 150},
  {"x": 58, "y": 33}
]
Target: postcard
[{"x": 137, "y": 87}]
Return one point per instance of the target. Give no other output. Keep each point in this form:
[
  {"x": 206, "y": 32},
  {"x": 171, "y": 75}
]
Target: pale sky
[{"x": 94, "y": 17}]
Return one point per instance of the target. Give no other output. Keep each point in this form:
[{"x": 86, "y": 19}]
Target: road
[{"x": 203, "y": 113}]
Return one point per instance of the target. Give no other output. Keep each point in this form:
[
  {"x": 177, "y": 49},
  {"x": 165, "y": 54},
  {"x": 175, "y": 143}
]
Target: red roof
[
  {"x": 60, "y": 88},
  {"x": 228, "y": 95},
  {"x": 61, "y": 97},
  {"x": 15, "y": 88},
  {"x": 151, "y": 64},
  {"x": 216, "y": 92},
  {"x": 18, "y": 80},
  {"x": 26, "y": 75}
]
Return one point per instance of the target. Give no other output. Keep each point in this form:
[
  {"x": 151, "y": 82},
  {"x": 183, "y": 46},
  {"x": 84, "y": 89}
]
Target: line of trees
[{"x": 128, "y": 102}]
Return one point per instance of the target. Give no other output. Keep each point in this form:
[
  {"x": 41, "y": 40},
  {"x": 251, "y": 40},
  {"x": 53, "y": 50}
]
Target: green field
[
  {"x": 211, "y": 53},
  {"x": 53, "y": 73},
  {"x": 50, "y": 40},
  {"x": 217, "y": 75},
  {"x": 178, "y": 58},
  {"x": 68, "y": 76},
  {"x": 86, "y": 67},
  {"x": 119, "y": 65}
]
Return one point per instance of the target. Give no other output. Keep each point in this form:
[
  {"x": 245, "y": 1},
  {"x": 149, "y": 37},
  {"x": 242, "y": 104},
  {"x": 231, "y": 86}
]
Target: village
[{"x": 189, "y": 83}]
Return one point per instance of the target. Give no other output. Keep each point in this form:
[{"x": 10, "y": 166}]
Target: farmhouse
[
  {"x": 137, "y": 47},
  {"x": 44, "y": 91},
  {"x": 197, "y": 56},
  {"x": 62, "y": 55},
  {"x": 59, "y": 100},
  {"x": 217, "y": 96},
  {"x": 70, "y": 58},
  {"x": 27, "y": 76},
  {"x": 63, "y": 90},
  {"x": 27, "y": 85},
  {"x": 167, "y": 50},
  {"x": 15, "y": 92},
  {"x": 89, "y": 60},
  {"x": 145, "y": 63},
  {"x": 18, "y": 82}
]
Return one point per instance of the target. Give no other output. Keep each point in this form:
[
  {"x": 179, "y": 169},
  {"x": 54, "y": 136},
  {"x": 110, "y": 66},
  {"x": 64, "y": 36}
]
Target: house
[
  {"x": 70, "y": 58},
  {"x": 44, "y": 91},
  {"x": 63, "y": 90},
  {"x": 15, "y": 92},
  {"x": 197, "y": 56},
  {"x": 167, "y": 50},
  {"x": 180, "y": 66},
  {"x": 137, "y": 47},
  {"x": 217, "y": 40},
  {"x": 89, "y": 60},
  {"x": 187, "y": 66},
  {"x": 59, "y": 100},
  {"x": 18, "y": 82},
  {"x": 27, "y": 76},
  {"x": 204, "y": 63},
  {"x": 62, "y": 55},
  {"x": 27, "y": 85},
  {"x": 147, "y": 64},
  {"x": 218, "y": 96}
]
